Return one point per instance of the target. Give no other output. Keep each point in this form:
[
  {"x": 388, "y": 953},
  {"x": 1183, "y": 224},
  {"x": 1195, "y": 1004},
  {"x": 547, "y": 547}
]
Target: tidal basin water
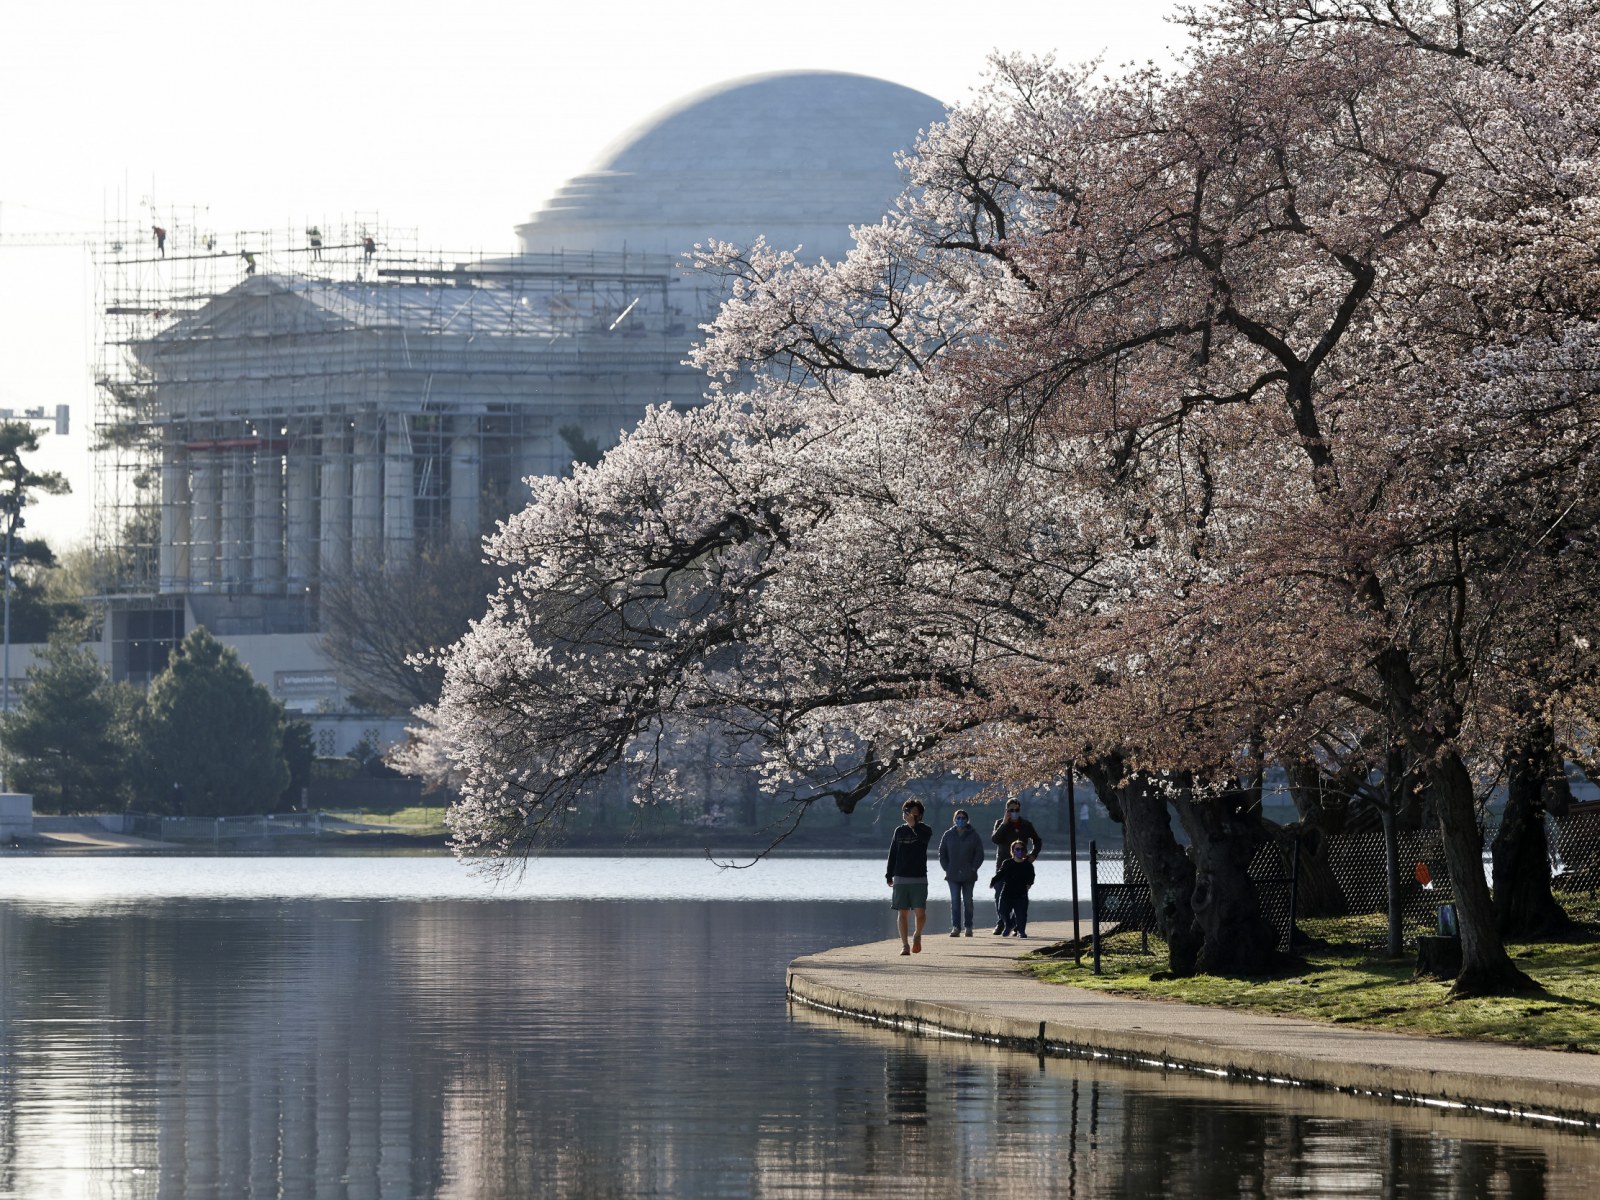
[{"x": 399, "y": 1027}]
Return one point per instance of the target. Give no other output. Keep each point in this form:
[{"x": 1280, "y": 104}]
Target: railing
[{"x": 225, "y": 829}]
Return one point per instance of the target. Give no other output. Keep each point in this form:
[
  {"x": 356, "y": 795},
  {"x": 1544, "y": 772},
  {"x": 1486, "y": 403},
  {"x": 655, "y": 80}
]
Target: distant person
[
  {"x": 907, "y": 874},
  {"x": 962, "y": 856},
  {"x": 161, "y": 239},
  {"x": 249, "y": 262},
  {"x": 314, "y": 236},
  {"x": 1011, "y": 827},
  {"x": 368, "y": 248},
  {"x": 1016, "y": 877}
]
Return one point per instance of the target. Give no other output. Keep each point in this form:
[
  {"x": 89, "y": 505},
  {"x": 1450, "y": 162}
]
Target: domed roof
[{"x": 797, "y": 157}]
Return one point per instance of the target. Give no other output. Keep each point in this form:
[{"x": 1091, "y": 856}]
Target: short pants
[{"x": 909, "y": 895}]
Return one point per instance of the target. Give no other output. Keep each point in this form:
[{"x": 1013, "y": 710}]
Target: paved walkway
[{"x": 974, "y": 987}]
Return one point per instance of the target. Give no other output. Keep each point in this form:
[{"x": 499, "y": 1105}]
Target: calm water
[{"x": 400, "y": 1028}]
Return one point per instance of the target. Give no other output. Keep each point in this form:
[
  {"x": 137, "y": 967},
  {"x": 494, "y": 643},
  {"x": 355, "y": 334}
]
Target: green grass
[
  {"x": 1345, "y": 979},
  {"x": 422, "y": 820}
]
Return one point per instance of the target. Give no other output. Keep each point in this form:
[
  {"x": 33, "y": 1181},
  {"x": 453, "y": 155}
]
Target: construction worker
[
  {"x": 161, "y": 239},
  {"x": 368, "y": 248},
  {"x": 249, "y": 261},
  {"x": 314, "y": 235}
]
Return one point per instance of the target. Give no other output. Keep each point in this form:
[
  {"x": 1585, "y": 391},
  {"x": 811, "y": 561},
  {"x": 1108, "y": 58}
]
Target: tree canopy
[
  {"x": 213, "y": 730},
  {"x": 62, "y": 742},
  {"x": 1176, "y": 424}
]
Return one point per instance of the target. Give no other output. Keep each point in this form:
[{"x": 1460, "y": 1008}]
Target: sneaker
[
  {"x": 1000, "y": 929},
  {"x": 1005, "y": 933},
  {"x": 1021, "y": 934},
  {"x": 904, "y": 949},
  {"x": 955, "y": 933},
  {"x": 969, "y": 930}
]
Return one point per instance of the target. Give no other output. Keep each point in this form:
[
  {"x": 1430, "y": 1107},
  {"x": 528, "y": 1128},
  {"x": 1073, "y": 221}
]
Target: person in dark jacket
[
  {"x": 962, "y": 856},
  {"x": 907, "y": 874},
  {"x": 1016, "y": 877},
  {"x": 1011, "y": 827}
]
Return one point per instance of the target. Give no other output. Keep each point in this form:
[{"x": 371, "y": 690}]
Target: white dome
[{"x": 797, "y": 157}]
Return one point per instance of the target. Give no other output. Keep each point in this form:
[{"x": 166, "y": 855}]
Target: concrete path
[
  {"x": 974, "y": 987},
  {"x": 85, "y": 833}
]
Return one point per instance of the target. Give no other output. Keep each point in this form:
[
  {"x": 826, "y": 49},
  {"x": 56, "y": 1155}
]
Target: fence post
[
  {"x": 1294, "y": 892},
  {"x": 1094, "y": 904}
]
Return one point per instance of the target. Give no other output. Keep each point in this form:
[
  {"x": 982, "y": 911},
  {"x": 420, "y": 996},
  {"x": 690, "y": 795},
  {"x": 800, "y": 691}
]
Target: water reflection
[
  {"x": 1096, "y": 1130},
  {"x": 321, "y": 1048}
]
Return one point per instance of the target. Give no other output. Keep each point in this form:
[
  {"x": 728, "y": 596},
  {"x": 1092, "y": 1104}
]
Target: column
[
  {"x": 366, "y": 493},
  {"x": 266, "y": 529},
  {"x": 235, "y": 521},
  {"x": 204, "y": 482},
  {"x": 300, "y": 513},
  {"x": 175, "y": 523},
  {"x": 399, "y": 494},
  {"x": 466, "y": 479},
  {"x": 334, "y": 542}
]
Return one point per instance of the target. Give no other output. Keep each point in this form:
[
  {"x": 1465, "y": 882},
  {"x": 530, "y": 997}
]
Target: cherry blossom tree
[{"x": 1176, "y": 424}]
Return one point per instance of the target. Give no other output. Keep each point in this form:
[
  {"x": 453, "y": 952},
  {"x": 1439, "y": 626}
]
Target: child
[{"x": 1015, "y": 877}]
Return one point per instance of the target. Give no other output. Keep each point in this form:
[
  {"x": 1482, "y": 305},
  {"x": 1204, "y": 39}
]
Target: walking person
[
  {"x": 962, "y": 856},
  {"x": 1011, "y": 827},
  {"x": 1016, "y": 877},
  {"x": 907, "y": 874}
]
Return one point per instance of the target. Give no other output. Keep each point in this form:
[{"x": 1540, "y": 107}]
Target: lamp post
[
  {"x": 11, "y": 505},
  {"x": 1072, "y": 841}
]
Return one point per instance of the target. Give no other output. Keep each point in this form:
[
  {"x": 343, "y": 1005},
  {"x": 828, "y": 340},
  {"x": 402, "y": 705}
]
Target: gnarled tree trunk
[
  {"x": 1147, "y": 832},
  {"x": 1523, "y": 904},
  {"x": 1223, "y": 837}
]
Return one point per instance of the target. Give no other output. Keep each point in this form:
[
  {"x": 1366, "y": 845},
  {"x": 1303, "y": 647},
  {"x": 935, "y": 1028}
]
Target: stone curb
[{"x": 1497, "y": 1095}]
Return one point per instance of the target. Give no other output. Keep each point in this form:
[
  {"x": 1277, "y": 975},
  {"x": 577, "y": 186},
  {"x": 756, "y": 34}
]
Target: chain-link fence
[
  {"x": 1120, "y": 893},
  {"x": 1348, "y": 875}
]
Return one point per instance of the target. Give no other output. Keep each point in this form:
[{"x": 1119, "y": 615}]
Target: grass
[
  {"x": 420, "y": 820},
  {"x": 1344, "y": 978}
]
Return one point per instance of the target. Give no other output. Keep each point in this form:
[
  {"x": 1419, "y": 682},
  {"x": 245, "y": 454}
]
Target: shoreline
[{"x": 973, "y": 989}]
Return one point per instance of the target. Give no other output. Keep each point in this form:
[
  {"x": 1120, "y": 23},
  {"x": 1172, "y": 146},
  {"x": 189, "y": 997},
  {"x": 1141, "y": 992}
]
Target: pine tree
[
  {"x": 212, "y": 730},
  {"x": 61, "y": 743}
]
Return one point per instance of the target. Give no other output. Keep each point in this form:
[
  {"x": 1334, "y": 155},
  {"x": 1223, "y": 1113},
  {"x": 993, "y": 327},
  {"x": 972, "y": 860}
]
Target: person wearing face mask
[
  {"x": 1011, "y": 827},
  {"x": 961, "y": 854},
  {"x": 1016, "y": 877}
]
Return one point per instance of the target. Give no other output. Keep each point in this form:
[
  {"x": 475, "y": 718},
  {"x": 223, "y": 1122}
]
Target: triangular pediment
[{"x": 261, "y": 307}]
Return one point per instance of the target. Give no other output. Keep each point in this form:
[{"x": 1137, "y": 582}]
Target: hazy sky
[{"x": 456, "y": 118}]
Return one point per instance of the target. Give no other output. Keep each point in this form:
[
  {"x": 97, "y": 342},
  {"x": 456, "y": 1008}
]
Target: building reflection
[{"x": 461, "y": 1049}]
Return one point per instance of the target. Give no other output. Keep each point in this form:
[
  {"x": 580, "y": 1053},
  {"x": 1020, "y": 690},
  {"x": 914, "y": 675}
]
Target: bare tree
[{"x": 375, "y": 619}]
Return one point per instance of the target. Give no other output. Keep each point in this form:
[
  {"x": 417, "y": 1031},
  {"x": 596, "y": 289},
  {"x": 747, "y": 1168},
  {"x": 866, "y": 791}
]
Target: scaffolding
[{"x": 275, "y": 408}]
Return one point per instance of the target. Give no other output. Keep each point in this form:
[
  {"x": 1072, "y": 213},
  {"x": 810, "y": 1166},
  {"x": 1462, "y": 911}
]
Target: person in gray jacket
[{"x": 962, "y": 855}]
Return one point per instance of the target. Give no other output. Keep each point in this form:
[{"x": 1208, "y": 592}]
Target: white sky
[{"x": 455, "y": 117}]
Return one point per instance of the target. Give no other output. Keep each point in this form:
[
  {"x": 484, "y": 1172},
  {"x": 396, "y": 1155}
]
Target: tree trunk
[
  {"x": 1223, "y": 838},
  {"x": 1486, "y": 968},
  {"x": 1523, "y": 904},
  {"x": 1147, "y": 831},
  {"x": 1318, "y": 893}
]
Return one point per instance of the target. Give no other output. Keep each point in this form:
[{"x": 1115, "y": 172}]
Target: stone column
[
  {"x": 399, "y": 494},
  {"x": 300, "y": 515},
  {"x": 466, "y": 479},
  {"x": 235, "y": 521},
  {"x": 175, "y": 524},
  {"x": 366, "y": 493},
  {"x": 205, "y": 480},
  {"x": 266, "y": 529},
  {"x": 334, "y": 541}
]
